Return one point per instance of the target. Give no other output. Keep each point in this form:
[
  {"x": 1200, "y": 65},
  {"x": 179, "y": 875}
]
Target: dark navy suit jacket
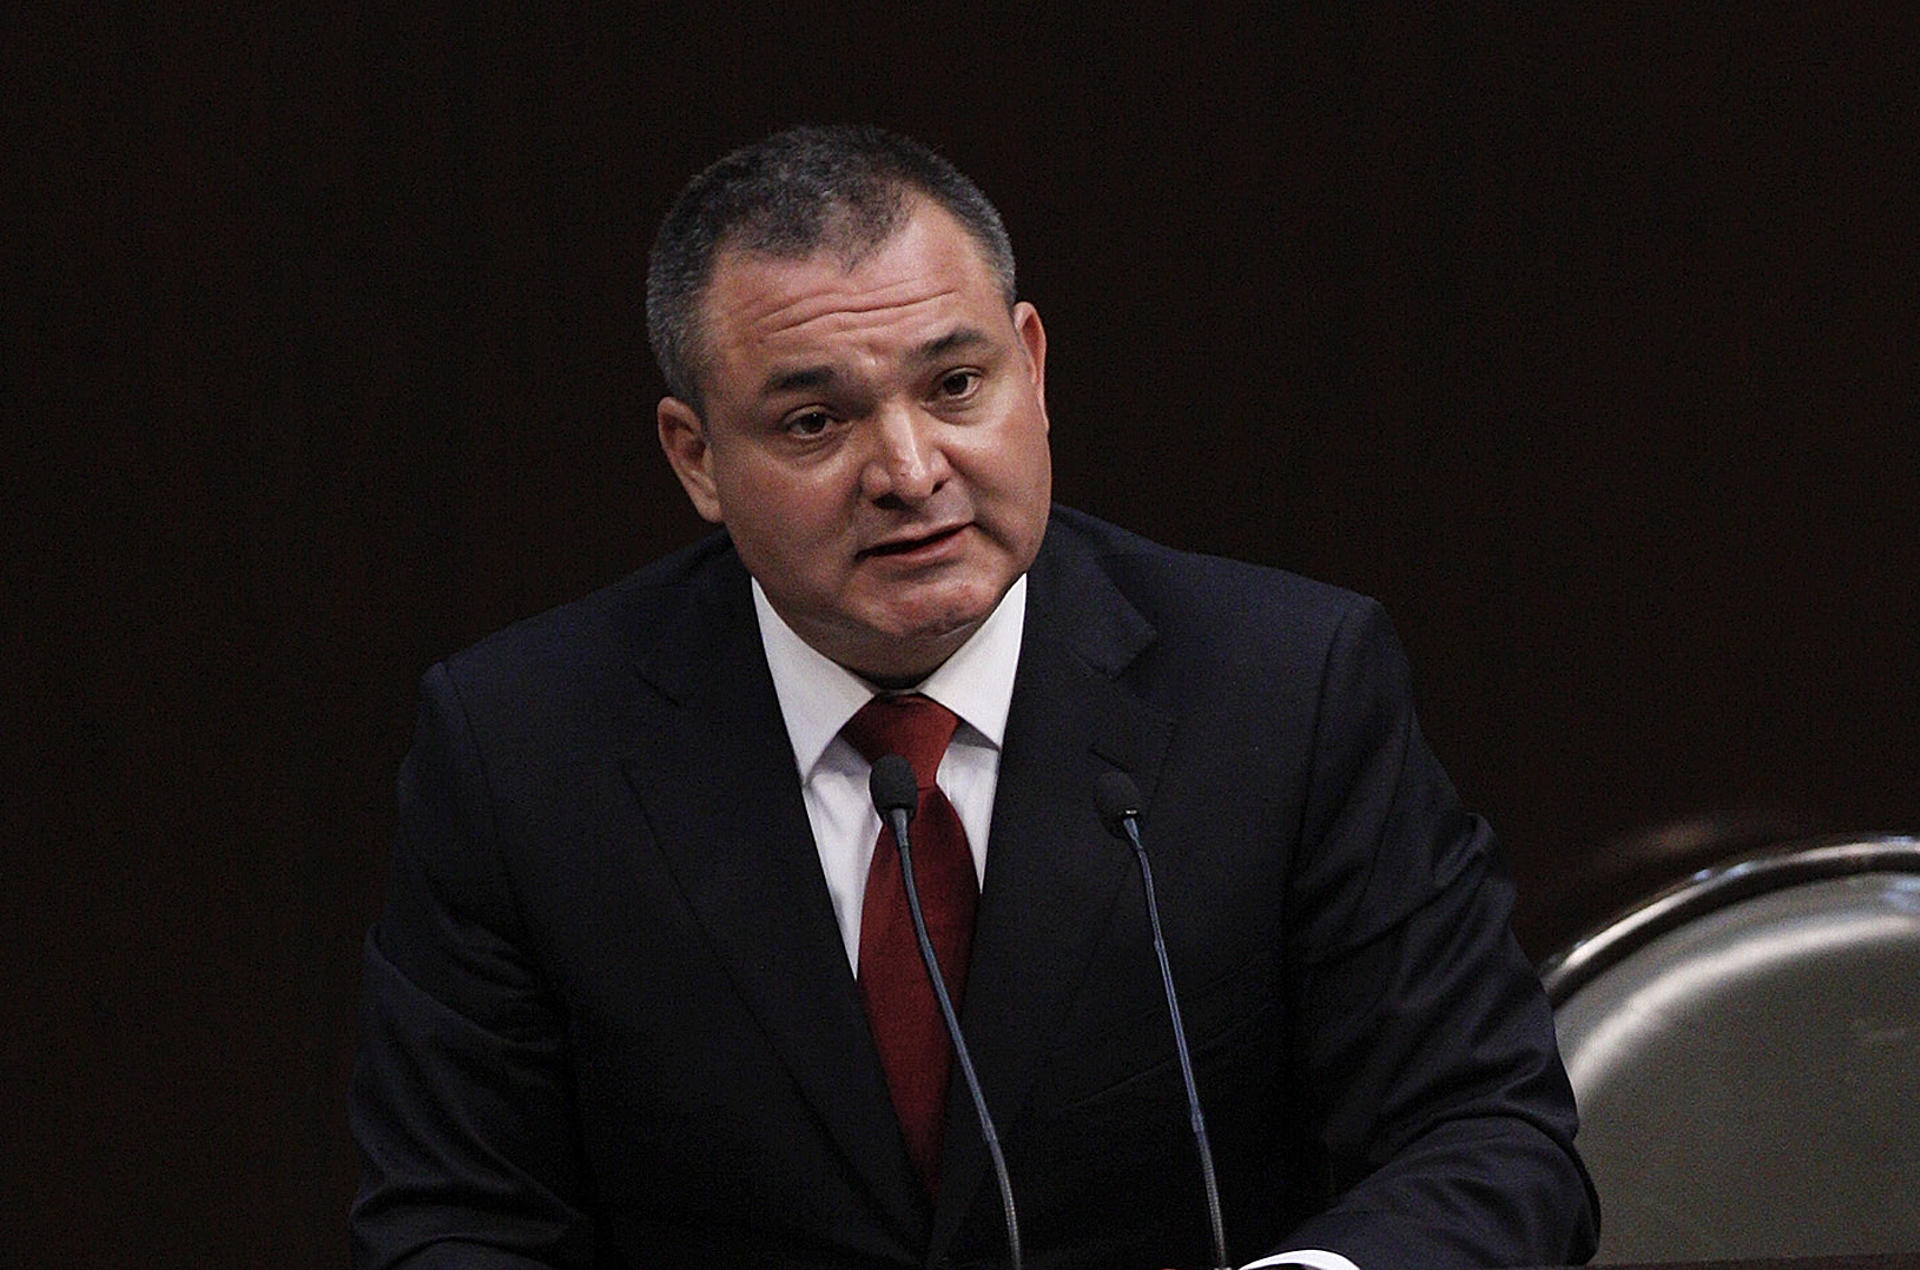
[{"x": 608, "y": 1018}]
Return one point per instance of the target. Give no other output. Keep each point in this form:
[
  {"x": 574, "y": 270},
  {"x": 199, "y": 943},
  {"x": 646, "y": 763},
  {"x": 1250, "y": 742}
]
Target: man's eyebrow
[
  {"x": 959, "y": 338},
  {"x": 822, "y": 376},
  {"x": 781, "y": 381}
]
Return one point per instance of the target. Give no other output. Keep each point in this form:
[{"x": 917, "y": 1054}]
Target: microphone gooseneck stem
[
  {"x": 899, "y": 817},
  {"x": 1217, "y": 1231}
]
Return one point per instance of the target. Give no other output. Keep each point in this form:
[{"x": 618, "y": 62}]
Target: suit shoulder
[
  {"x": 604, "y": 633},
  {"x": 1189, "y": 591}
]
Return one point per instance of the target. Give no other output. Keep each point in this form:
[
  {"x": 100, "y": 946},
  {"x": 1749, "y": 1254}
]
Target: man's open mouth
[{"x": 905, "y": 546}]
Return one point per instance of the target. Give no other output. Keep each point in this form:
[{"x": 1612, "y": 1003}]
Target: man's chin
[
  {"x": 896, "y": 663},
  {"x": 899, "y": 651}
]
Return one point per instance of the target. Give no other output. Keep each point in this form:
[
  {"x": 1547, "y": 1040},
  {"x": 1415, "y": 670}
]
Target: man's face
[{"x": 875, "y": 441}]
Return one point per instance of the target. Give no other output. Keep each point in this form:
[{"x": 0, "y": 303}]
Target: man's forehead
[
  {"x": 920, "y": 287},
  {"x": 758, "y": 293}
]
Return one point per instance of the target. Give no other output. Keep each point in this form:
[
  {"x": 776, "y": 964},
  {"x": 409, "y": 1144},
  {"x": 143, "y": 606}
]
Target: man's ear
[
  {"x": 684, "y": 438},
  {"x": 1033, "y": 339}
]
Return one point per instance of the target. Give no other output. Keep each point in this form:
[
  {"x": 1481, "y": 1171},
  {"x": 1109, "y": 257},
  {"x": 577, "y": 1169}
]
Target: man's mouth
[{"x": 907, "y": 546}]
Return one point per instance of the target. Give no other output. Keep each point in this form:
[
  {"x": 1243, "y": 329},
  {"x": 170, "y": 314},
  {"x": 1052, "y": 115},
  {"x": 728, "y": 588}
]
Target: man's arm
[
  {"x": 460, "y": 1099},
  {"x": 1422, "y": 1033}
]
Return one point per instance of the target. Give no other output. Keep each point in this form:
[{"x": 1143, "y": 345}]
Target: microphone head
[
  {"x": 892, "y": 786},
  {"x": 1118, "y": 799}
]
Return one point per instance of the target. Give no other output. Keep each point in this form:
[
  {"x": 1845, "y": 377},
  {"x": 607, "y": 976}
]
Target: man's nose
[{"x": 907, "y": 462}]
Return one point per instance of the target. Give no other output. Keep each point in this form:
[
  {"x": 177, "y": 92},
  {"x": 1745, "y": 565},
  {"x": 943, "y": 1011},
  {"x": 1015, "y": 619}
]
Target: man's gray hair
[{"x": 845, "y": 188}]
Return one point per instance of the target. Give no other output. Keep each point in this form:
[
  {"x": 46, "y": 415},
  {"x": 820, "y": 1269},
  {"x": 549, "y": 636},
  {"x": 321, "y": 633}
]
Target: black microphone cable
[
  {"x": 896, "y": 797},
  {"x": 1119, "y": 802}
]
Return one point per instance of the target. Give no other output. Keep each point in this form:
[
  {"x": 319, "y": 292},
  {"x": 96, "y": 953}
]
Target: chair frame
[{"x": 1716, "y": 887}]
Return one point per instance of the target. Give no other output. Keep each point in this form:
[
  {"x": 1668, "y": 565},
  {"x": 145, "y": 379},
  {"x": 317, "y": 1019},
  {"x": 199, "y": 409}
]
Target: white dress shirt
[{"x": 818, "y": 696}]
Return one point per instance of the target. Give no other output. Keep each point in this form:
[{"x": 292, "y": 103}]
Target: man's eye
[
  {"x": 810, "y": 423},
  {"x": 959, "y": 383}
]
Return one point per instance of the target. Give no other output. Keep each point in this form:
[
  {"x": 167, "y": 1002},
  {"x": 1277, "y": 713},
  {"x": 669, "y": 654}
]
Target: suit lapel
[
  {"x": 717, "y": 786},
  {"x": 1053, "y": 871}
]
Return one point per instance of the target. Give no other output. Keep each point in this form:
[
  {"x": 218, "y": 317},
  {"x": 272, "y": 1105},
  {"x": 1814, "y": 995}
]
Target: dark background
[{"x": 1583, "y": 339}]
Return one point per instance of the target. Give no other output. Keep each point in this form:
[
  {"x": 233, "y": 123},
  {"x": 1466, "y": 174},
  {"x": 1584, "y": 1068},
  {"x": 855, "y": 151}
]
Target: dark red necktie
[{"x": 901, "y": 1010}]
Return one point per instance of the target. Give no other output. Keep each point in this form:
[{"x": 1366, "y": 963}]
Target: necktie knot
[{"x": 915, "y": 727}]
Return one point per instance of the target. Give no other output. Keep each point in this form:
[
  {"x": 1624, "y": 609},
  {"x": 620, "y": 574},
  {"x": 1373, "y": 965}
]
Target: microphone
[
  {"x": 896, "y": 796},
  {"x": 1118, "y": 799}
]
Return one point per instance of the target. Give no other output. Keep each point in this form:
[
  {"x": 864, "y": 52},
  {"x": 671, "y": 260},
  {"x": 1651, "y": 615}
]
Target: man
[{"x": 641, "y": 993}]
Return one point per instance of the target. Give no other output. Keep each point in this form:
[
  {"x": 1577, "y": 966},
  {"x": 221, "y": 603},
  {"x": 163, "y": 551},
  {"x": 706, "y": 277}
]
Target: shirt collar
[{"x": 818, "y": 695}]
